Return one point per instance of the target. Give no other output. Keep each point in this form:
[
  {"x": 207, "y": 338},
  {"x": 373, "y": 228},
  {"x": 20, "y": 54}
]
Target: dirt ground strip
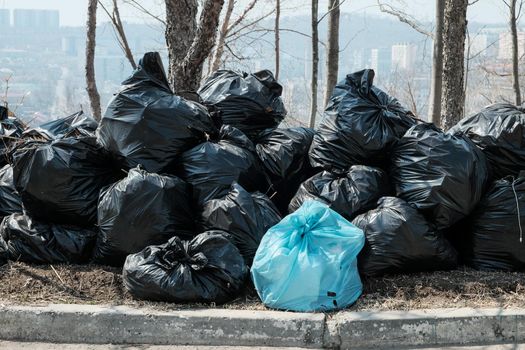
[{"x": 93, "y": 284}]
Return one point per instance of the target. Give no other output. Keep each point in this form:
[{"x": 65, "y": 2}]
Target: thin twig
[{"x": 56, "y": 273}]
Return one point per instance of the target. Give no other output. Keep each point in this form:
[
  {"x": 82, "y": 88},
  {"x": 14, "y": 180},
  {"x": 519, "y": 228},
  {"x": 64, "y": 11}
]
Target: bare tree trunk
[
  {"x": 119, "y": 29},
  {"x": 436, "y": 85},
  {"x": 187, "y": 56},
  {"x": 455, "y": 24},
  {"x": 219, "y": 50},
  {"x": 91, "y": 86},
  {"x": 181, "y": 26},
  {"x": 277, "y": 36},
  {"x": 332, "y": 56},
  {"x": 515, "y": 58},
  {"x": 315, "y": 62}
]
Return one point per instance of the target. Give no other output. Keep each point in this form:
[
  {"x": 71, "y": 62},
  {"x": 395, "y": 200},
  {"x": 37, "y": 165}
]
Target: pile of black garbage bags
[{"x": 180, "y": 192}]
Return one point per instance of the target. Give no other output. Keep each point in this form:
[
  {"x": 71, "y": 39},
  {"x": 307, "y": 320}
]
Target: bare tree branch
[
  {"x": 404, "y": 17},
  {"x": 330, "y": 10},
  {"x": 251, "y": 23},
  {"x": 118, "y": 27},
  {"x": 242, "y": 16},
  {"x": 141, "y": 8},
  {"x": 223, "y": 32}
]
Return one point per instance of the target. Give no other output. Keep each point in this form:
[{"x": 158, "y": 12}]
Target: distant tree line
[{"x": 192, "y": 41}]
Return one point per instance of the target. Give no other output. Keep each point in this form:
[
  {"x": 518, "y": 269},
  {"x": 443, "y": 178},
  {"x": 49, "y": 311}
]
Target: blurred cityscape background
[{"x": 42, "y": 57}]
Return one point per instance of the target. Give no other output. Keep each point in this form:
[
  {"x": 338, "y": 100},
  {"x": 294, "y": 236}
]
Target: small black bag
[
  {"x": 360, "y": 125},
  {"x": 245, "y": 216},
  {"x": 442, "y": 175},
  {"x": 349, "y": 194},
  {"x": 400, "y": 240},
  {"x": 207, "y": 269},
  {"x": 37, "y": 242},
  {"x": 140, "y": 210}
]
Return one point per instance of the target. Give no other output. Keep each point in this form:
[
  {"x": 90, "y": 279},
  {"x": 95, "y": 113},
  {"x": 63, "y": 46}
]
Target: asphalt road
[{"x": 8, "y": 345}]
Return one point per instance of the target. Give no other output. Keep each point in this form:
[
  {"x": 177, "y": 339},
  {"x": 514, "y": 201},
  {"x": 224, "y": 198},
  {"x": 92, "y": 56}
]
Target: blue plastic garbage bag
[{"x": 307, "y": 262}]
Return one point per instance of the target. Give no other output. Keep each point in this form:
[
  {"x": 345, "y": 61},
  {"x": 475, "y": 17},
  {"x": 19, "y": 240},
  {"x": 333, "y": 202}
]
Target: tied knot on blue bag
[
  {"x": 303, "y": 225},
  {"x": 177, "y": 254}
]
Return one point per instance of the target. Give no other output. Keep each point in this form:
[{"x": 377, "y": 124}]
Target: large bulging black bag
[
  {"x": 249, "y": 102},
  {"x": 207, "y": 269},
  {"x": 284, "y": 156},
  {"x": 213, "y": 166},
  {"x": 348, "y": 193},
  {"x": 10, "y": 201},
  {"x": 494, "y": 238},
  {"x": 38, "y": 242},
  {"x": 60, "y": 181},
  {"x": 400, "y": 240},
  {"x": 499, "y": 130},
  {"x": 77, "y": 124},
  {"x": 146, "y": 124},
  {"x": 245, "y": 216},
  {"x": 359, "y": 126},
  {"x": 442, "y": 175},
  {"x": 140, "y": 210}
]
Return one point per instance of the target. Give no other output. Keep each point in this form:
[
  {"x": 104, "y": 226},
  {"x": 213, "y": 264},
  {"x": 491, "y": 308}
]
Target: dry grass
[{"x": 93, "y": 284}]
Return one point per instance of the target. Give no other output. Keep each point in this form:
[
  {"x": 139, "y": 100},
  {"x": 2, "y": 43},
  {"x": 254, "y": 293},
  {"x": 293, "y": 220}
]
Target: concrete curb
[
  {"x": 438, "y": 327},
  {"x": 124, "y": 325},
  {"x": 390, "y": 329}
]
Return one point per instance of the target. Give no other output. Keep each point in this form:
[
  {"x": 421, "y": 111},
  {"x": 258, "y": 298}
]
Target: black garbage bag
[
  {"x": 38, "y": 242},
  {"x": 442, "y": 175},
  {"x": 60, "y": 181},
  {"x": 4, "y": 251},
  {"x": 213, "y": 166},
  {"x": 360, "y": 125},
  {"x": 400, "y": 240},
  {"x": 207, "y": 269},
  {"x": 284, "y": 155},
  {"x": 11, "y": 130},
  {"x": 245, "y": 216},
  {"x": 140, "y": 210},
  {"x": 147, "y": 124},
  {"x": 349, "y": 194},
  {"x": 4, "y": 113},
  {"x": 499, "y": 130},
  {"x": 77, "y": 124},
  {"x": 10, "y": 201},
  {"x": 249, "y": 102},
  {"x": 494, "y": 238}
]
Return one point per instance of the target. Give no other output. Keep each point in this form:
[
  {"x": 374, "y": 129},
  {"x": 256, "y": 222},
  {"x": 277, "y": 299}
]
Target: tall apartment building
[
  {"x": 404, "y": 56},
  {"x": 5, "y": 18},
  {"x": 381, "y": 62},
  {"x": 505, "y": 45},
  {"x": 36, "y": 19}
]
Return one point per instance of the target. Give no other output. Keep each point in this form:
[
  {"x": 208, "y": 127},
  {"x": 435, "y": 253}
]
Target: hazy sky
[{"x": 72, "y": 12}]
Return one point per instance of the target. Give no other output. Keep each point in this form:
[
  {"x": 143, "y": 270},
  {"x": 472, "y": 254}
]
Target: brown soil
[{"x": 93, "y": 284}]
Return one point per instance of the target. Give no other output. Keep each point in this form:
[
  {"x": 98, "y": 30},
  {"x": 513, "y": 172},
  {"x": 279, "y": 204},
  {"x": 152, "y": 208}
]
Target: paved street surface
[
  {"x": 5, "y": 345},
  {"x": 488, "y": 347},
  {"x": 47, "y": 346}
]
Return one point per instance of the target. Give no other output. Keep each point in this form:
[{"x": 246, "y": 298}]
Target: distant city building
[
  {"x": 70, "y": 45},
  {"x": 36, "y": 19},
  {"x": 479, "y": 45},
  {"x": 381, "y": 62},
  {"x": 358, "y": 59},
  {"x": 505, "y": 45},
  {"x": 484, "y": 43},
  {"x": 404, "y": 56},
  {"x": 5, "y": 20},
  {"x": 111, "y": 68}
]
